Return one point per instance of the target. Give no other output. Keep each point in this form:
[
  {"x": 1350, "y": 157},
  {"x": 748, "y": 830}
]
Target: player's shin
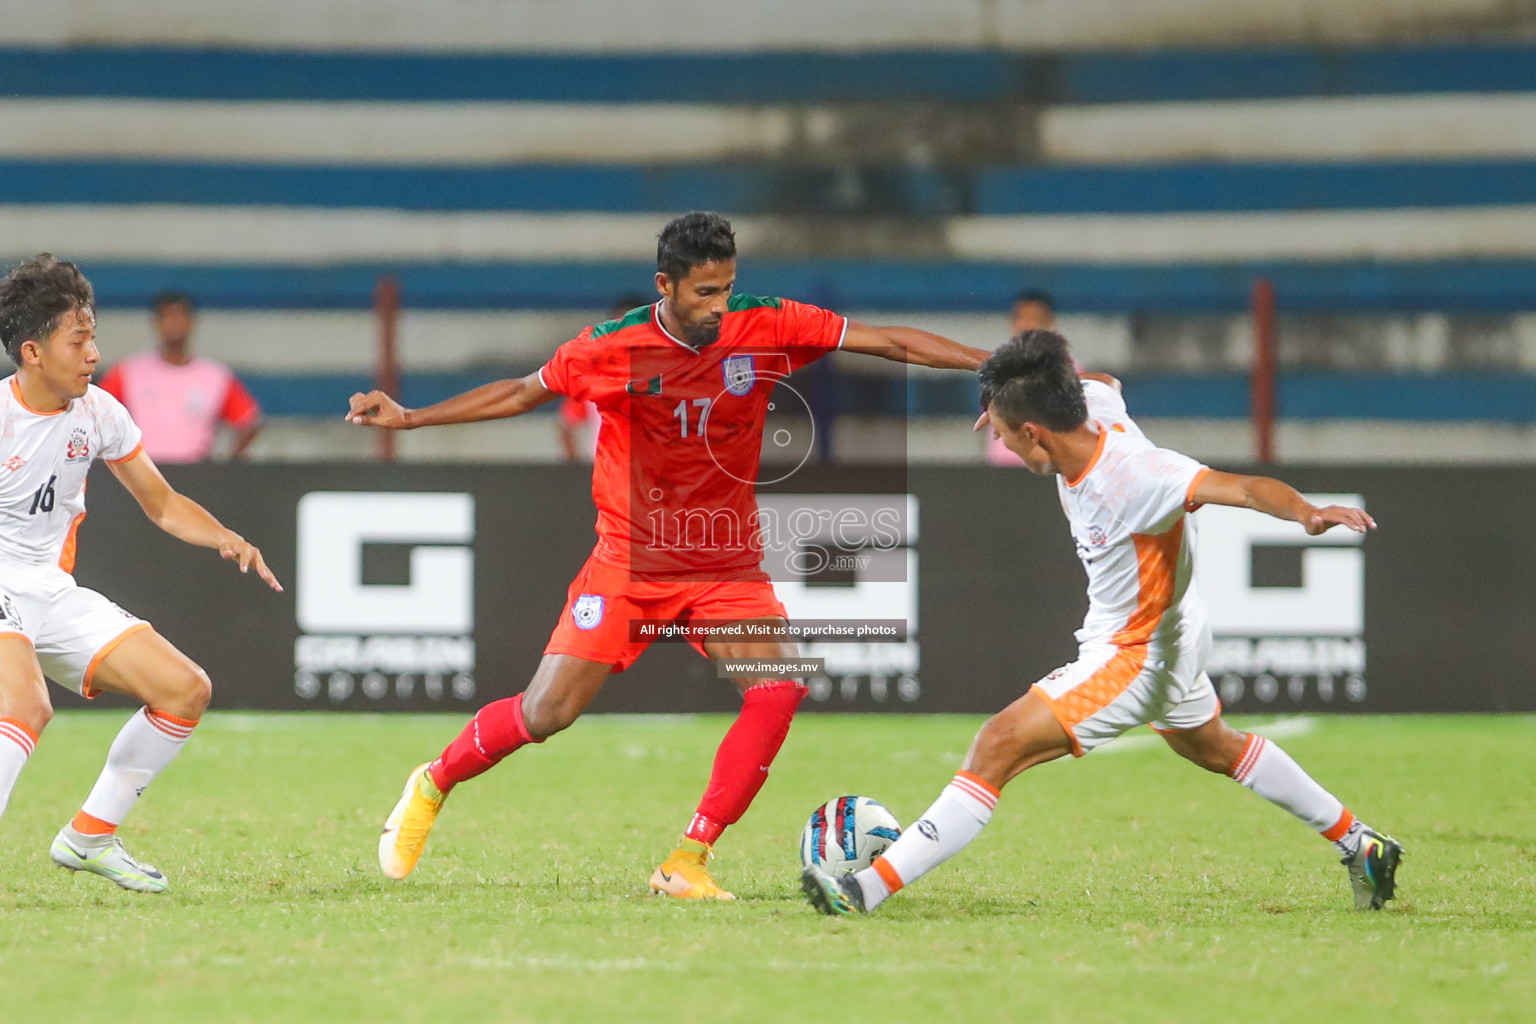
[
  {"x": 17, "y": 741},
  {"x": 144, "y": 746},
  {"x": 496, "y": 731},
  {"x": 744, "y": 757},
  {"x": 1274, "y": 775},
  {"x": 955, "y": 819}
]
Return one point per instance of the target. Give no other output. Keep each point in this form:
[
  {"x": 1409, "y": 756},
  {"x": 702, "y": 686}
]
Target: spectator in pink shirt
[{"x": 179, "y": 399}]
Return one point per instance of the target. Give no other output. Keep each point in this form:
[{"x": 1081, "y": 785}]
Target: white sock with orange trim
[
  {"x": 17, "y": 741},
  {"x": 149, "y": 742},
  {"x": 946, "y": 828},
  {"x": 1274, "y": 775}
]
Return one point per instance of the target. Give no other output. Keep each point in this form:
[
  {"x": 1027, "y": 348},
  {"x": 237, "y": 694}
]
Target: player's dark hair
[
  {"x": 1031, "y": 379},
  {"x": 693, "y": 240},
  {"x": 172, "y": 298},
  {"x": 1035, "y": 295},
  {"x": 34, "y": 296}
]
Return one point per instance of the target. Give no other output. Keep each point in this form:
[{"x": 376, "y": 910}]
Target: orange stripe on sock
[
  {"x": 976, "y": 789},
  {"x": 90, "y": 825},
  {"x": 1250, "y": 749},
  {"x": 20, "y": 733},
  {"x": 983, "y": 783},
  {"x": 888, "y": 874},
  {"x": 971, "y": 791},
  {"x": 1340, "y": 828},
  {"x": 170, "y": 725}
]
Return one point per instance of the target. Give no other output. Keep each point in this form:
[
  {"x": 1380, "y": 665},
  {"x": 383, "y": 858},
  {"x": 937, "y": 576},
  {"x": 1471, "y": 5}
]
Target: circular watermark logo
[{"x": 789, "y": 436}]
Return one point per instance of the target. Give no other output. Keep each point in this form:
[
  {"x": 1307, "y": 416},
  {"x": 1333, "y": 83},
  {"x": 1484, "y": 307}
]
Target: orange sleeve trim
[
  {"x": 1190, "y": 504},
  {"x": 19, "y": 636},
  {"x": 137, "y": 451},
  {"x": 1340, "y": 828},
  {"x": 86, "y": 690},
  {"x": 888, "y": 875}
]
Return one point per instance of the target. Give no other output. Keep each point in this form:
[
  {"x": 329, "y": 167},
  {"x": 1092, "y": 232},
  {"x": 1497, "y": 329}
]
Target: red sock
[
  {"x": 741, "y": 763},
  {"x": 496, "y": 730}
]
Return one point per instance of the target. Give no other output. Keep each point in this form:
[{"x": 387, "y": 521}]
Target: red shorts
[{"x": 603, "y": 600}]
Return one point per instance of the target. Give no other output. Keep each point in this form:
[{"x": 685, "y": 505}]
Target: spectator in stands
[
  {"x": 178, "y": 398},
  {"x": 1033, "y": 310},
  {"x": 578, "y": 419}
]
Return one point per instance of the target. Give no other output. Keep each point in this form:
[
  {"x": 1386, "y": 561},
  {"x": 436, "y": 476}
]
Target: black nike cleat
[
  {"x": 833, "y": 895},
  {"x": 1373, "y": 870}
]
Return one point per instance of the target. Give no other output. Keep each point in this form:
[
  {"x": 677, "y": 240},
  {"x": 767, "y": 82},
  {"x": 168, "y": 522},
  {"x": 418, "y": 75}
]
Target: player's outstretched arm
[
  {"x": 184, "y": 519},
  {"x": 495, "y": 401},
  {"x": 1278, "y": 499},
  {"x": 910, "y": 345}
]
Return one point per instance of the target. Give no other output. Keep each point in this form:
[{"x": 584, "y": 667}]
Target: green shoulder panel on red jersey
[
  {"x": 638, "y": 315},
  {"x": 741, "y": 302}
]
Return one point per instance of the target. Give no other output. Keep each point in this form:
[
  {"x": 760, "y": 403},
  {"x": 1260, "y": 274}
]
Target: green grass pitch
[{"x": 1128, "y": 886}]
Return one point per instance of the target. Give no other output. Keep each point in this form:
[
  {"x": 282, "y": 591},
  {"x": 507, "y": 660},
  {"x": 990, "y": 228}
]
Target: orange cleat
[
  {"x": 409, "y": 824},
  {"x": 685, "y": 874}
]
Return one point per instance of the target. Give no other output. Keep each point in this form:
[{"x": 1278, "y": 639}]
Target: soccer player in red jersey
[{"x": 683, "y": 390}]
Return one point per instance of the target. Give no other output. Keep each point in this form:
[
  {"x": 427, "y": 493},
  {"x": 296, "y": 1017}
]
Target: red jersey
[{"x": 681, "y": 428}]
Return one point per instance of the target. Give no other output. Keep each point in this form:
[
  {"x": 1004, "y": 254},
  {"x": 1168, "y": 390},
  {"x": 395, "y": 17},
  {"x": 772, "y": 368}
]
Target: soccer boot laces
[
  {"x": 833, "y": 895},
  {"x": 104, "y": 856},
  {"x": 1373, "y": 869},
  {"x": 408, "y": 825},
  {"x": 685, "y": 874}
]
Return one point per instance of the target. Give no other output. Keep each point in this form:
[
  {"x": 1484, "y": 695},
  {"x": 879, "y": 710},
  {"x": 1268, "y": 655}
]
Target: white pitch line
[{"x": 1280, "y": 728}]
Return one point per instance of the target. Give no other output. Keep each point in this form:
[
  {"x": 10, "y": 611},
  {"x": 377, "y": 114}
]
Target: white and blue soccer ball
[{"x": 847, "y": 834}]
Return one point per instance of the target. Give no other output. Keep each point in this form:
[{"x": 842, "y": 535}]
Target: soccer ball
[{"x": 847, "y": 834}]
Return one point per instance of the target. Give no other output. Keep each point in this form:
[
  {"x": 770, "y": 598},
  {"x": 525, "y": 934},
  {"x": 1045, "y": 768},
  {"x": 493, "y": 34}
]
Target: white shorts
[
  {"x": 71, "y": 628},
  {"x": 1108, "y": 691}
]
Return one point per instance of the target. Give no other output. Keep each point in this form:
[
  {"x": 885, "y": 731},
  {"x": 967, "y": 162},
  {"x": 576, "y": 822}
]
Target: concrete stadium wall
[{"x": 748, "y": 24}]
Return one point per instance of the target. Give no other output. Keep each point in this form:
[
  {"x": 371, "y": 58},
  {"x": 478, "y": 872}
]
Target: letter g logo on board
[
  {"x": 1330, "y": 600},
  {"x": 334, "y": 527}
]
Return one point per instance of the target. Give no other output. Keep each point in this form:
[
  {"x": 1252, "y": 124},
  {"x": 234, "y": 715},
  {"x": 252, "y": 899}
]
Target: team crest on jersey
[
  {"x": 740, "y": 374},
  {"x": 14, "y": 463},
  {"x": 587, "y": 611},
  {"x": 1097, "y": 536},
  {"x": 79, "y": 447}
]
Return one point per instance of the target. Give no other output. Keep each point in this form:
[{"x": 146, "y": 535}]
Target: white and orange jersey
[
  {"x": 44, "y": 458},
  {"x": 1127, "y": 512}
]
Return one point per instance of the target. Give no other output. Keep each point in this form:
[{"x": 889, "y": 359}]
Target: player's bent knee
[
  {"x": 28, "y": 703},
  {"x": 998, "y": 745},
  {"x": 545, "y": 716},
  {"x": 189, "y": 692},
  {"x": 1214, "y": 747},
  {"x": 36, "y": 712}
]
